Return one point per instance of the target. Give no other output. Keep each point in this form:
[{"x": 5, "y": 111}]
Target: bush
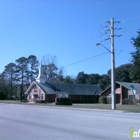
[
  {"x": 64, "y": 101},
  {"x": 103, "y": 100},
  {"x": 40, "y": 101},
  {"x": 2, "y": 96},
  {"x": 23, "y": 101},
  {"x": 128, "y": 101},
  {"x": 138, "y": 101},
  {"x": 109, "y": 101}
]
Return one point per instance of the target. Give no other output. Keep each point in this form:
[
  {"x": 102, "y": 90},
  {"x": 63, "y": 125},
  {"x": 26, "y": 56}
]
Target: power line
[
  {"x": 93, "y": 57},
  {"x": 86, "y": 59},
  {"x": 131, "y": 25},
  {"x": 131, "y": 19},
  {"x": 122, "y": 49}
]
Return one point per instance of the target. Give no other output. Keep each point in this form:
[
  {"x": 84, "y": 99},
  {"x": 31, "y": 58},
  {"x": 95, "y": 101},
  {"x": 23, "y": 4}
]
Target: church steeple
[{"x": 41, "y": 77}]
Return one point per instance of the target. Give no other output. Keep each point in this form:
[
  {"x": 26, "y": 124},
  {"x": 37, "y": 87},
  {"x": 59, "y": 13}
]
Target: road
[{"x": 27, "y": 122}]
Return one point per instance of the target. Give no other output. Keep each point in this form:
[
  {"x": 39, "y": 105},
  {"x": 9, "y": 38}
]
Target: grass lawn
[
  {"x": 88, "y": 106},
  {"x": 108, "y": 107}
]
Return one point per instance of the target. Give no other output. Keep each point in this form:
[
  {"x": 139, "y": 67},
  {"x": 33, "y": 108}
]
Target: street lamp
[{"x": 113, "y": 95}]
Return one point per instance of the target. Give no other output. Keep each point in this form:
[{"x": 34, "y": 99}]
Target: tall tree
[
  {"x": 22, "y": 69},
  {"x": 122, "y": 73},
  {"x": 104, "y": 81},
  {"x": 81, "y": 78},
  {"x": 135, "y": 73},
  {"x": 93, "y": 78},
  {"x": 10, "y": 75},
  {"x": 68, "y": 79},
  {"x": 51, "y": 70},
  {"x": 3, "y": 84},
  {"x": 32, "y": 68},
  {"x": 60, "y": 77}
]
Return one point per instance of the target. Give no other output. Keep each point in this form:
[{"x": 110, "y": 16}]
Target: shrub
[
  {"x": 23, "y": 101},
  {"x": 109, "y": 100},
  {"x": 128, "y": 101},
  {"x": 64, "y": 101},
  {"x": 40, "y": 101},
  {"x": 138, "y": 101},
  {"x": 103, "y": 100},
  {"x": 2, "y": 96}
]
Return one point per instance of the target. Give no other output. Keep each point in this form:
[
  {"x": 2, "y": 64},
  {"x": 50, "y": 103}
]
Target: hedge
[{"x": 64, "y": 101}]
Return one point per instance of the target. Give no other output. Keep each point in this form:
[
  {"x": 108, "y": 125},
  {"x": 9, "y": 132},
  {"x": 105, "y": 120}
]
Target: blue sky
[{"x": 69, "y": 30}]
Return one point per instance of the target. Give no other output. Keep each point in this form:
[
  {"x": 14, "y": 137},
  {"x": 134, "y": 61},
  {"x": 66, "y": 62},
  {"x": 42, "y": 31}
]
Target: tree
[
  {"x": 68, "y": 79},
  {"x": 22, "y": 73},
  {"x": 122, "y": 73},
  {"x": 10, "y": 76},
  {"x": 60, "y": 77},
  {"x": 93, "y": 79},
  {"x": 135, "y": 73},
  {"x": 32, "y": 68},
  {"x": 51, "y": 70},
  {"x": 81, "y": 78},
  {"x": 104, "y": 81},
  {"x": 3, "y": 84}
]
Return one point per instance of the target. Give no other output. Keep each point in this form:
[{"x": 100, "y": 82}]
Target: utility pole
[
  {"x": 113, "y": 86},
  {"x": 111, "y": 38}
]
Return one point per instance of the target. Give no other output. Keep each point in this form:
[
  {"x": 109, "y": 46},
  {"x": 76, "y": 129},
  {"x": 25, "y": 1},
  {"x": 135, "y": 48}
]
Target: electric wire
[
  {"x": 94, "y": 57},
  {"x": 131, "y": 18},
  {"x": 86, "y": 59},
  {"x": 131, "y": 26}
]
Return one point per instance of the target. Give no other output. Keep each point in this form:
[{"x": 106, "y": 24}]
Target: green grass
[
  {"x": 108, "y": 107},
  {"x": 130, "y": 108},
  {"x": 10, "y": 101}
]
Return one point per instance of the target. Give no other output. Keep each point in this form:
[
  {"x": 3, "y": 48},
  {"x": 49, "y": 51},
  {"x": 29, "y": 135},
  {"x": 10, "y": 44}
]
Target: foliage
[
  {"x": 102, "y": 80},
  {"x": 3, "y": 83},
  {"x": 23, "y": 101},
  {"x": 68, "y": 79},
  {"x": 122, "y": 73},
  {"x": 32, "y": 68},
  {"x": 103, "y": 99},
  {"x": 127, "y": 101},
  {"x": 51, "y": 70},
  {"x": 16, "y": 77},
  {"x": 10, "y": 78},
  {"x": 40, "y": 101},
  {"x": 64, "y": 101},
  {"x": 93, "y": 78},
  {"x": 22, "y": 73},
  {"x": 2, "y": 96},
  {"x": 135, "y": 73},
  {"x": 81, "y": 78}
]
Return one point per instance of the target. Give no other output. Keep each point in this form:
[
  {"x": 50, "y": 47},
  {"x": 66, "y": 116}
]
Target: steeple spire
[{"x": 41, "y": 77}]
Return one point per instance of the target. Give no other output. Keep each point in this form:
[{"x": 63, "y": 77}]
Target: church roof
[
  {"x": 72, "y": 89},
  {"x": 127, "y": 85}
]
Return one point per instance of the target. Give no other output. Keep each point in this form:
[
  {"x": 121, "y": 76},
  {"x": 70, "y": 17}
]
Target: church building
[{"x": 77, "y": 93}]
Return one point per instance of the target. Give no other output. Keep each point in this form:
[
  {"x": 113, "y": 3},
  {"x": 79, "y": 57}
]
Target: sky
[{"x": 68, "y": 29}]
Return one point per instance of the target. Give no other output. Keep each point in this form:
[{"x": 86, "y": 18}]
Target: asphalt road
[{"x": 27, "y": 122}]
